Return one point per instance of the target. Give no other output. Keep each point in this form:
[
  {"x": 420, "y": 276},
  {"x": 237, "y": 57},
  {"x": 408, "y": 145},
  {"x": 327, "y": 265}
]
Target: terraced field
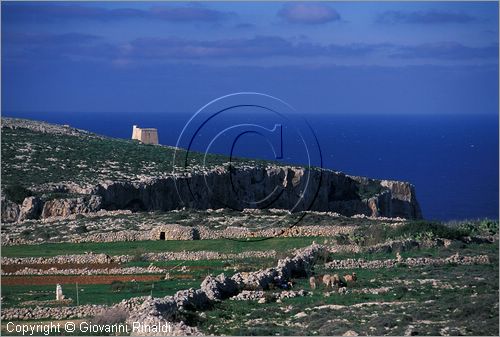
[{"x": 426, "y": 300}]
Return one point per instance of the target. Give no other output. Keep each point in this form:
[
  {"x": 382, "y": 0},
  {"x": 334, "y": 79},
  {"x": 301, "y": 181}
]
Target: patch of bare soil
[
  {"x": 72, "y": 279},
  {"x": 12, "y": 268}
]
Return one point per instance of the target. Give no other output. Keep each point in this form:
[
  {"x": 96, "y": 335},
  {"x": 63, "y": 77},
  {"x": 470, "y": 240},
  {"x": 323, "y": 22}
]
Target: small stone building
[
  {"x": 174, "y": 232},
  {"x": 145, "y": 135}
]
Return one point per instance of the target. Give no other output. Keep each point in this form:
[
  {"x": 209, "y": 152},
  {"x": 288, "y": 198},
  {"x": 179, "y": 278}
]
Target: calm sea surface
[{"x": 452, "y": 160}]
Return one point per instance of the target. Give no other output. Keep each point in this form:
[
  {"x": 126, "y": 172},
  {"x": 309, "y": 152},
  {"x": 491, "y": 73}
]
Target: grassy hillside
[{"x": 31, "y": 157}]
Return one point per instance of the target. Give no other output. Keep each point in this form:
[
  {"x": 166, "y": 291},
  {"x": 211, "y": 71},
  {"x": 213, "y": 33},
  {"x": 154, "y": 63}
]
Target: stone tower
[
  {"x": 145, "y": 135},
  {"x": 59, "y": 293}
]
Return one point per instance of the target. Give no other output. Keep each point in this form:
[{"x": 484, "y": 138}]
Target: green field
[{"x": 461, "y": 299}]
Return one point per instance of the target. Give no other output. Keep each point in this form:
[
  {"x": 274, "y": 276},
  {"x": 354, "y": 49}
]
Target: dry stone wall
[
  {"x": 168, "y": 309},
  {"x": 410, "y": 262}
]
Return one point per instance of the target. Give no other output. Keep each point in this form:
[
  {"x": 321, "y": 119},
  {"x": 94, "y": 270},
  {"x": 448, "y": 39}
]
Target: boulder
[
  {"x": 219, "y": 287},
  {"x": 191, "y": 299}
]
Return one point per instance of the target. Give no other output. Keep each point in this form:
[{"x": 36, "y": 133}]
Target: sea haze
[{"x": 451, "y": 159}]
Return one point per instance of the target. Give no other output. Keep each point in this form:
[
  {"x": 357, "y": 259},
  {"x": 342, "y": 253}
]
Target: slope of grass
[
  {"x": 463, "y": 301},
  {"x": 32, "y": 158}
]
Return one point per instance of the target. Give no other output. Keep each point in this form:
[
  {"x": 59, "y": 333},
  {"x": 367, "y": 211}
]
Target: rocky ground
[{"x": 112, "y": 226}]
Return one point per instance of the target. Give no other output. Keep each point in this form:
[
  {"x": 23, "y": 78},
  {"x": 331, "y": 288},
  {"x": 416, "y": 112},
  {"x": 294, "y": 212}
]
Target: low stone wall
[
  {"x": 38, "y": 312},
  {"x": 410, "y": 262},
  {"x": 177, "y": 232},
  {"x": 87, "y": 271},
  {"x": 259, "y": 295},
  {"x": 152, "y": 257},
  {"x": 68, "y": 312}
]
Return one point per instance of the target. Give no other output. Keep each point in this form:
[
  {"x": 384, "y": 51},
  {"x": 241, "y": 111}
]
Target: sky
[{"x": 324, "y": 57}]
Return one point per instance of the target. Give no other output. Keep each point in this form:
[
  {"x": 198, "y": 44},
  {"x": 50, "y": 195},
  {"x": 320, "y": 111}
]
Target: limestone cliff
[{"x": 276, "y": 187}]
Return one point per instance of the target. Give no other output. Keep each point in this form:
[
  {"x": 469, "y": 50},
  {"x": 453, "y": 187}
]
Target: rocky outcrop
[
  {"x": 66, "y": 207},
  {"x": 283, "y": 187},
  {"x": 43, "y": 127},
  {"x": 31, "y": 208}
]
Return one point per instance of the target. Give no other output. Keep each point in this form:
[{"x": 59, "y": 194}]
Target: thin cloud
[
  {"x": 446, "y": 50},
  {"x": 86, "y": 46},
  {"x": 258, "y": 47},
  {"x": 46, "y": 39},
  {"x": 50, "y": 13},
  {"x": 244, "y": 25},
  {"x": 424, "y": 17},
  {"x": 308, "y": 13}
]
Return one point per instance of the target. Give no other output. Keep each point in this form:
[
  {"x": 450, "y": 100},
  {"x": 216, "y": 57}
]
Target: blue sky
[{"x": 328, "y": 57}]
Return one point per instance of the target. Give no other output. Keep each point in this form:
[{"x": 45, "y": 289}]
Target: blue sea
[{"x": 452, "y": 160}]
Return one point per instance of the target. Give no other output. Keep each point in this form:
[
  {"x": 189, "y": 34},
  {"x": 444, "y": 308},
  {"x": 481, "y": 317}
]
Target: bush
[
  {"x": 482, "y": 227},
  {"x": 489, "y": 227},
  {"x": 26, "y": 233},
  {"x": 138, "y": 255},
  {"x": 81, "y": 229},
  {"x": 17, "y": 193},
  {"x": 342, "y": 239},
  {"x": 369, "y": 235},
  {"x": 422, "y": 230},
  {"x": 118, "y": 286}
]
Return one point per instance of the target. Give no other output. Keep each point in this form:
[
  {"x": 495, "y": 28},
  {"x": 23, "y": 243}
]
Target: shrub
[
  {"x": 81, "y": 229},
  {"x": 342, "y": 239},
  {"x": 421, "y": 230},
  {"x": 26, "y": 233},
  {"x": 118, "y": 286},
  {"x": 17, "y": 193},
  {"x": 138, "y": 255},
  {"x": 489, "y": 227},
  {"x": 369, "y": 235},
  {"x": 482, "y": 227}
]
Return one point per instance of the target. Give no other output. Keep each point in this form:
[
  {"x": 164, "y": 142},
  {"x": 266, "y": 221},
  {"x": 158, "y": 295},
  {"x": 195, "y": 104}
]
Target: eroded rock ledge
[{"x": 283, "y": 187}]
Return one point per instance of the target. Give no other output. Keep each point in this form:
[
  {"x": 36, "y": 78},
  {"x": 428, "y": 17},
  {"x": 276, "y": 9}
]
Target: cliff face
[
  {"x": 275, "y": 187},
  {"x": 292, "y": 188}
]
